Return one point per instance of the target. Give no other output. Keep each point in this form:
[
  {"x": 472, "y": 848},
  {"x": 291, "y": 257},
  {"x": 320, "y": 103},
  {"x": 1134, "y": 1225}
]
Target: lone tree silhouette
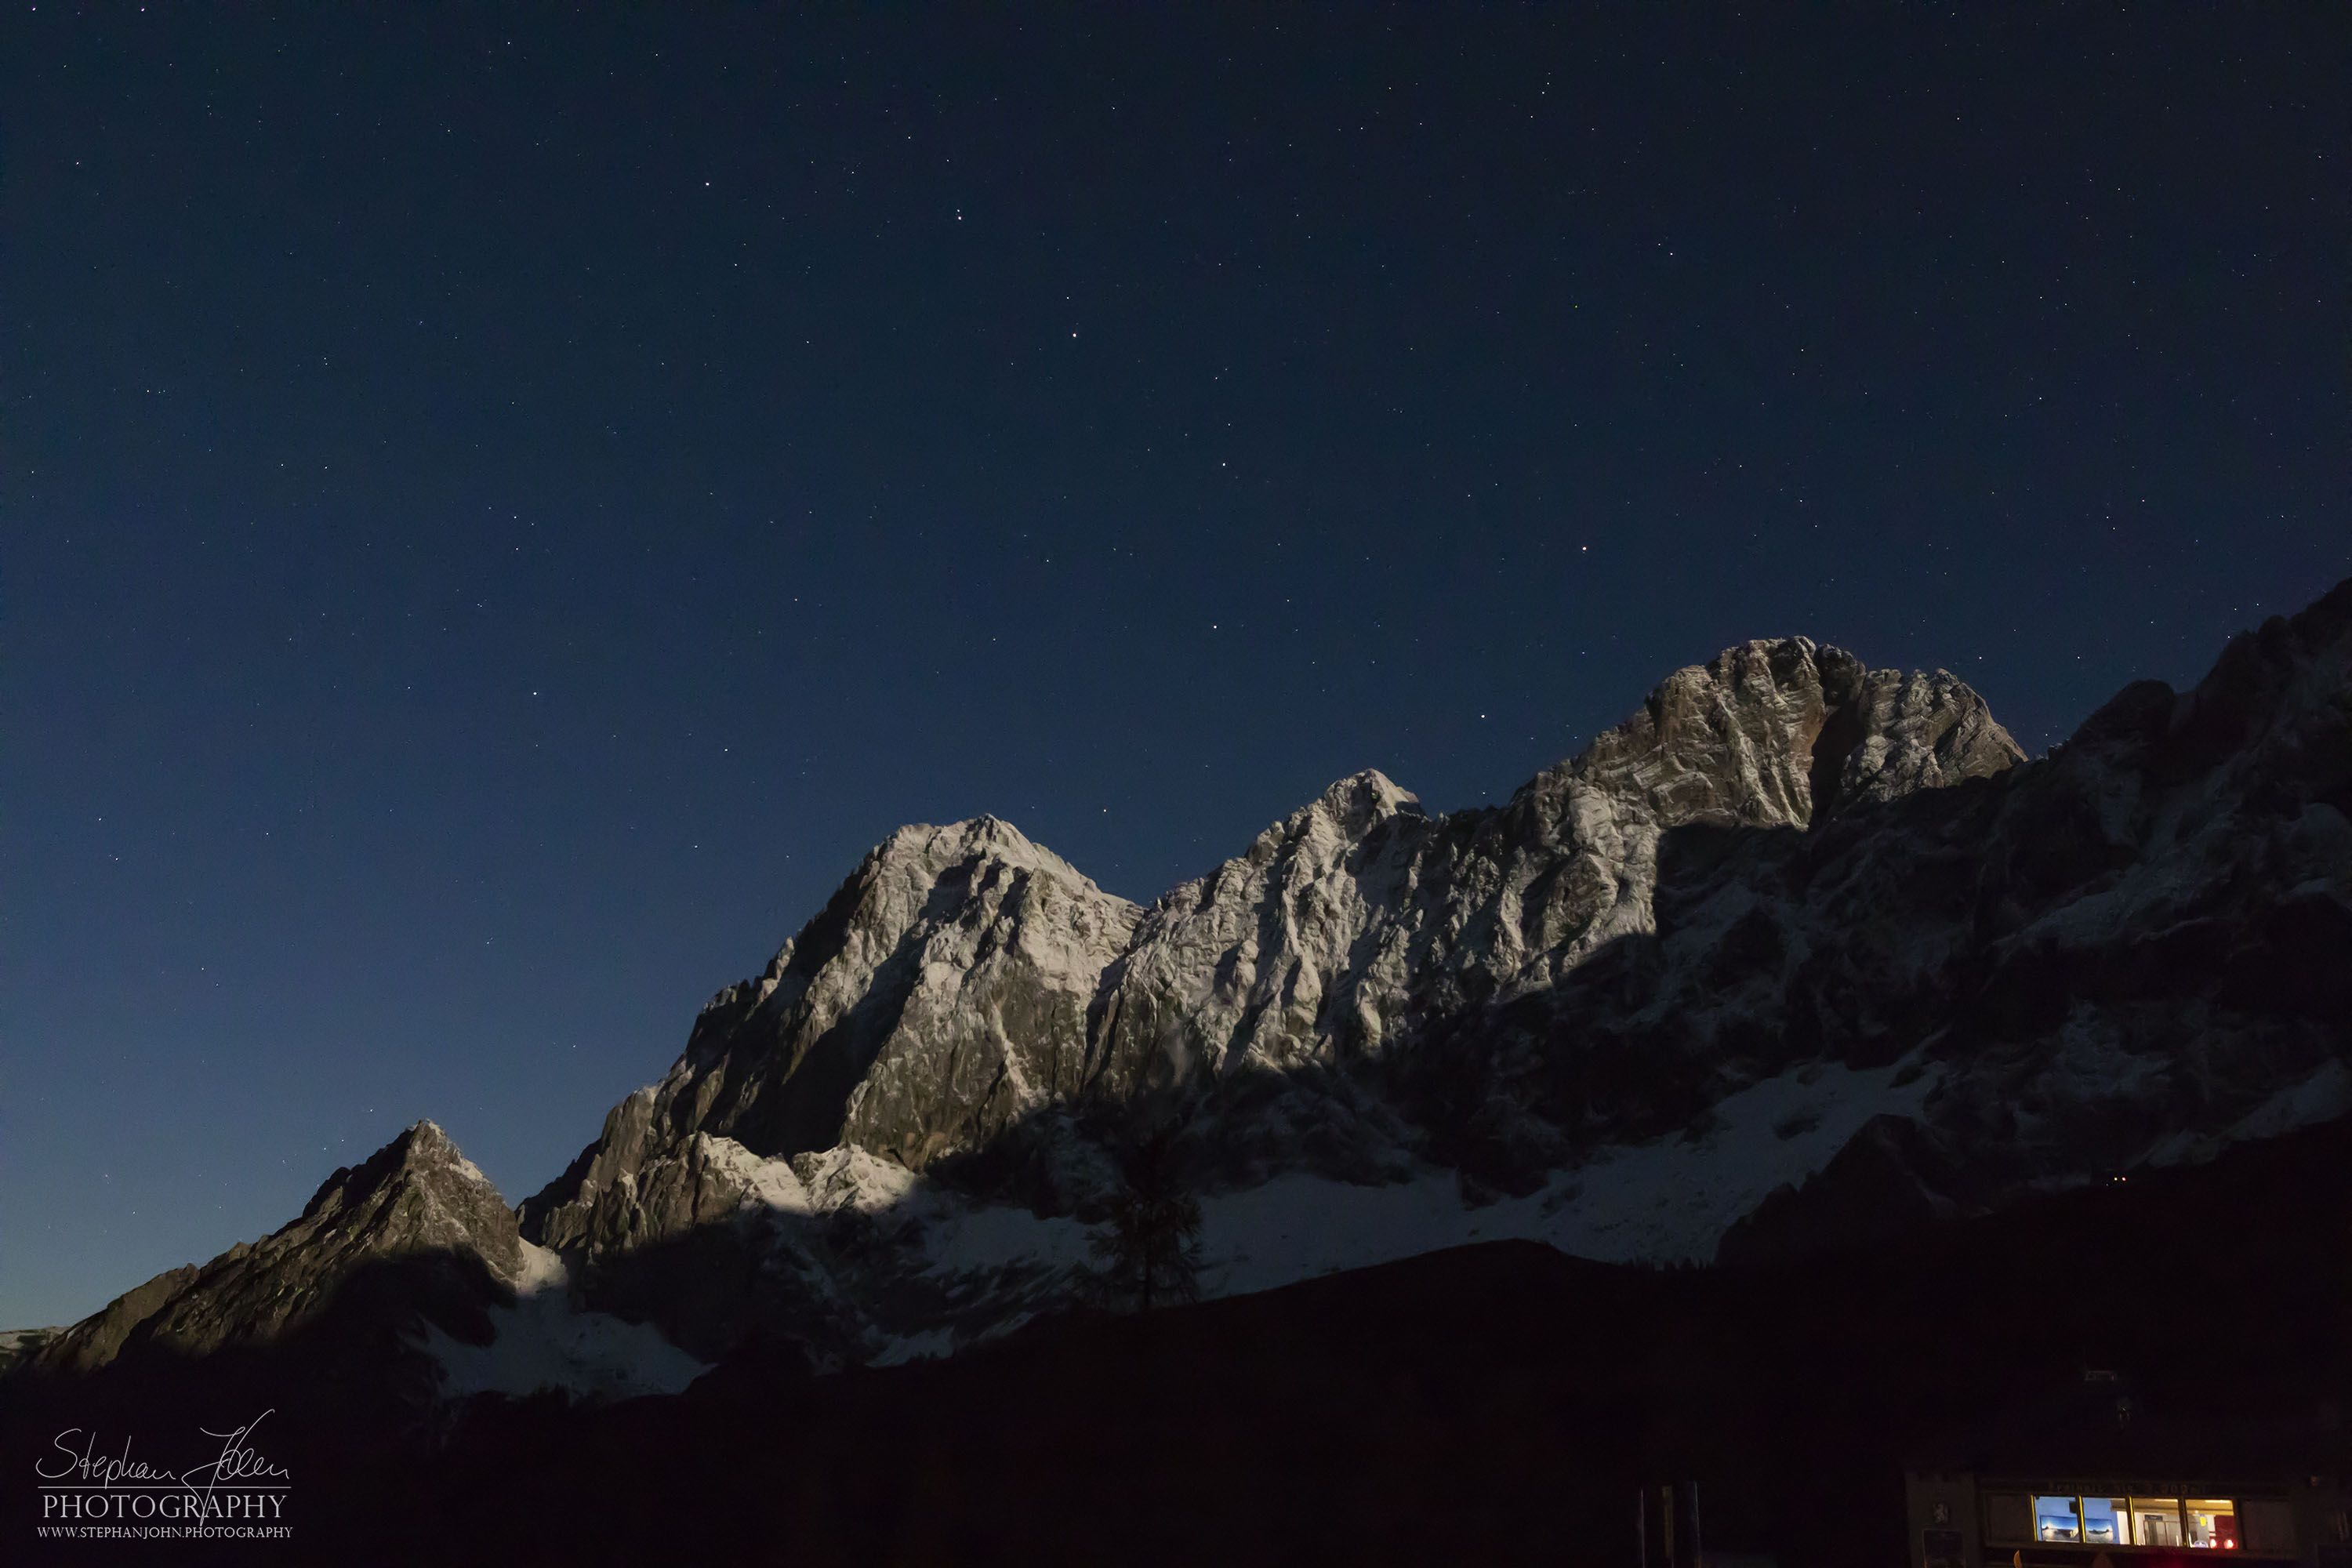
[{"x": 1153, "y": 1247}]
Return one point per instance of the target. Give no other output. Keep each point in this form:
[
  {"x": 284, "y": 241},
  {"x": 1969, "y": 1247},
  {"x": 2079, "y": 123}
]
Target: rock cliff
[{"x": 940, "y": 997}]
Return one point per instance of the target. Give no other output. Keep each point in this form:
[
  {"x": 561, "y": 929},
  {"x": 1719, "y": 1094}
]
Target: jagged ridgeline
[
  {"x": 1802, "y": 954},
  {"x": 964, "y": 984}
]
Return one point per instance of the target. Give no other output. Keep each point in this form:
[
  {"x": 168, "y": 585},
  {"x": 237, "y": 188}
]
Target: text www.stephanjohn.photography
[{"x": 238, "y": 1493}]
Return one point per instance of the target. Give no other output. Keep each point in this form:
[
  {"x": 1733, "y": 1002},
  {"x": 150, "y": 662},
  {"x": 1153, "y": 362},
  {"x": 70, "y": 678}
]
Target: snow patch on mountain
[
  {"x": 543, "y": 1342},
  {"x": 997, "y": 1236},
  {"x": 2323, "y": 1096},
  {"x": 1667, "y": 1201}
]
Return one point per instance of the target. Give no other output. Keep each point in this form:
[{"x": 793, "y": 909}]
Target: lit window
[
  {"x": 2054, "y": 1519},
  {"x": 2155, "y": 1522},
  {"x": 2107, "y": 1520},
  {"x": 2213, "y": 1524}
]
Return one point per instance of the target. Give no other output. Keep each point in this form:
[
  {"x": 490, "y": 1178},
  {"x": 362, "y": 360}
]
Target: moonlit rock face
[
  {"x": 1276, "y": 955},
  {"x": 1788, "y": 880},
  {"x": 940, "y": 997},
  {"x": 1318, "y": 944},
  {"x": 1799, "y": 954},
  {"x": 967, "y": 992}
]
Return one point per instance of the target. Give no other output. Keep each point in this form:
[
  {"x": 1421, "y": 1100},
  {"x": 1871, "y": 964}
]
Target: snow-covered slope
[{"x": 544, "y": 1340}]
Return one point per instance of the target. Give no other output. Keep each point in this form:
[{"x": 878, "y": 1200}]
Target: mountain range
[{"x": 1802, "y": 954}]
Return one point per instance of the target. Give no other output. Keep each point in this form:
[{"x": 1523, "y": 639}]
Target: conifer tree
[{"x": 1150, "y": 1250}]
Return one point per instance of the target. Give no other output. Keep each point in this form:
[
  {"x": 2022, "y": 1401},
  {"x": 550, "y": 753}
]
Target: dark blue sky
[{"x": 496, "y": 518}]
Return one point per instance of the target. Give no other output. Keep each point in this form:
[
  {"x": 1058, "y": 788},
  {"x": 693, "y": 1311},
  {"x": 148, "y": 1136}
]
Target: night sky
[{"x": 495, "y": 520}]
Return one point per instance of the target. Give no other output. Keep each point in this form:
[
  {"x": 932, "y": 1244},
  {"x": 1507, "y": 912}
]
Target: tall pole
[
  {"x": 1698, "y": 1540},
  {"x": 1641, "y": 1526}
]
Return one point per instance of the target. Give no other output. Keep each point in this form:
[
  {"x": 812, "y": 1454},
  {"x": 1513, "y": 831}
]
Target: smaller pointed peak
[
  {"x": 982, "y": 832},
  {"x": 1366, "y": 797},
  {"x": 1371, "y": 783},
  {"x": 424, "y": 1147},
  {"x": 924, "y": 850},
  {"x": 989, "y": 827},
  {"x": 419, "y": 1149},
  {"x": 425, "y": 1139}
]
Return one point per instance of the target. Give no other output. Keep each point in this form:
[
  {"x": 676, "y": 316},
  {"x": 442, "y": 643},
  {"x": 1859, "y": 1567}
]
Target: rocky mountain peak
[
  {"x": 415, "y": 1209},
  {"x": 1354, "y": 805},
  {"x": 421, "y": 1152},
  {"x": 1776, "y": 733},
  {"x": 1728, "y": 741},
  {"x": 428, "y": 1196},
  {"x": 939, "y": 996},
  {"x": 923, "y": 850}
]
